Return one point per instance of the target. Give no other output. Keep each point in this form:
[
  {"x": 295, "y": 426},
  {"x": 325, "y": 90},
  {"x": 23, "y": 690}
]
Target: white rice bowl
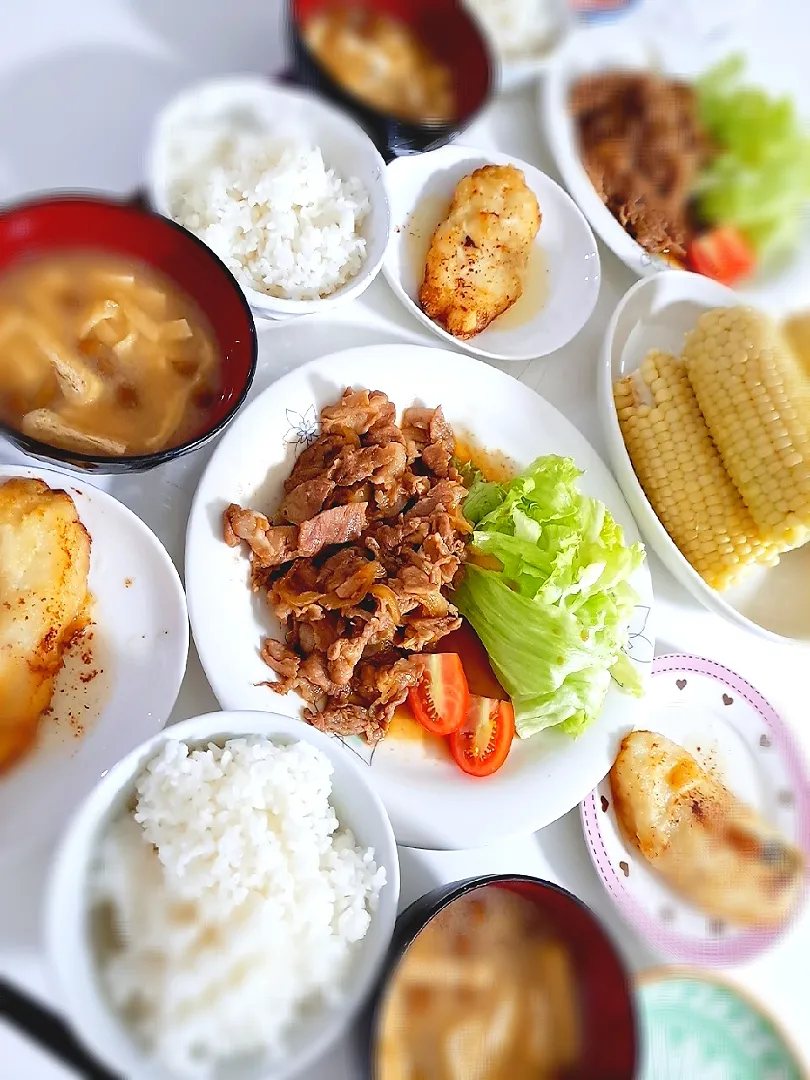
[
  {"x": 236, "y": 898},
  {"x": 211, "y": 912},
  {"x": 287, "y": 190},
  {"x": 282, "y": 222}
]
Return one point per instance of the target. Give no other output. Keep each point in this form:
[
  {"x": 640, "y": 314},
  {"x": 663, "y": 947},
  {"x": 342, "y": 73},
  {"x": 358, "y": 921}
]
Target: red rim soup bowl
[
  {"x": 453, "y": 35},
  {"x": 608, "y": 1023},
  {"x": 78, "y": 223}
]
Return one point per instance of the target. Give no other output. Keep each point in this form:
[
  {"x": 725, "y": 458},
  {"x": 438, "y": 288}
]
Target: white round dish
[
  {"x": 66, "y": 910},
  {"x": 563, "y": 280},
  {"x": 735, "y": 734},
  {"x": 657, "y": 313},
  {"x": 120, "y": 680},
  {"x": 604, "y": 48},
  {"x": 282, "y": 112},
  {"x": 431, "y": 803}
]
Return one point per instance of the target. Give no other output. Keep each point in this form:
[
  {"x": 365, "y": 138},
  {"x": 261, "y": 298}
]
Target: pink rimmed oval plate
[{"x": 732, "y": 730}]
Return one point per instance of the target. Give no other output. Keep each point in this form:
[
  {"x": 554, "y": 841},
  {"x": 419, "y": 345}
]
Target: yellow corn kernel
[
  {"x": 755, "y": 396},
  {"x": 683, "y": 475}
]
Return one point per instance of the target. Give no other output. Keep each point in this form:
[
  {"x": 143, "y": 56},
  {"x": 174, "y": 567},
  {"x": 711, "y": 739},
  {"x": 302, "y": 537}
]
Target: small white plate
[
  {"x": 733, "y": 732},
  {"x": 657, "y": 313},
  {"x": 779, "y": 289},
  {"x": 120, "y": 680},
  {"x": 431, "y": 803},
  {"x": 563, "y": 279}
]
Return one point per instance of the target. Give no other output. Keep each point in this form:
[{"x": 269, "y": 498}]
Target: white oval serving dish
[{"x": 657, "y": 313}]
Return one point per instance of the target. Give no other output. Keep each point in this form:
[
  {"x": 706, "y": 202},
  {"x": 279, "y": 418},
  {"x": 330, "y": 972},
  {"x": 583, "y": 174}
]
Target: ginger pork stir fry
[
  {"x": 643, "y": 146},
  {"x": 358, "y": 559}
]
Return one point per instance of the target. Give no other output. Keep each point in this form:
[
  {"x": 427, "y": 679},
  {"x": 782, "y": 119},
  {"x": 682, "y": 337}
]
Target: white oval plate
[
  {"x": 610, "y": 47},
  {"x": 563, "y": 279},
  {"x": 733, "y": 732},
  {"x": 120, "y": 681},
  {"x": 431, "y": 803},
  {"x": 657, "y": 313}
]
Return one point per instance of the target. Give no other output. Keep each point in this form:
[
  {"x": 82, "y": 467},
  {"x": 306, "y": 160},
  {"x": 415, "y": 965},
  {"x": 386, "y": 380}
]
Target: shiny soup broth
[
  {"x": 103, "y": 355},
  {"x": 485, "y": 992}
]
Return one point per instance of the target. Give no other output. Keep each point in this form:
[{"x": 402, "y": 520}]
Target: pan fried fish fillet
[
  {"x": 44, "y": 564},
  {"x": 714, "y": 850},
  {"x": 479, "y": 254}
]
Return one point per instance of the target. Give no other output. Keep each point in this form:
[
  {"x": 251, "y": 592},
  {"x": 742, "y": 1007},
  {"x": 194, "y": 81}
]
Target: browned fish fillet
[
  {"x": 714, "y": 850},
  {"x": 478, "y": 256},
  {"x": 44, "y": 564}
]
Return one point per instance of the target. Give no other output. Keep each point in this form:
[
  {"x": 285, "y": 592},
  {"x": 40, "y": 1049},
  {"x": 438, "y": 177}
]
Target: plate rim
[
  {"x": 460, "y": 151},
  {"x": 658, "y": 973},
  {"x": 198, "y": 510},
  {"x": 684, "y": 949},
  {"x": 64, "y": 481},
  {"x": 617, "y": 239}
]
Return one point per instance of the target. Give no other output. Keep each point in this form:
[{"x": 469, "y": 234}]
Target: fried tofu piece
[
  {"x": 479, "y": 254},
  {"x": 44, "y": 566},
  {"x": 713, "y": 849}
]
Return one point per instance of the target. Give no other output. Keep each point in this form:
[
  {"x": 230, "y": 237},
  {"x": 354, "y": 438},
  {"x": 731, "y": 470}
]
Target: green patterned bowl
[{"x": 697, "y": 1027}]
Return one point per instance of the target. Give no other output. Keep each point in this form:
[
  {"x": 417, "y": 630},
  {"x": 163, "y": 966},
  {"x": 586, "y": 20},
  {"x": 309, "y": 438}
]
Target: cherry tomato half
[
  {"x": 722, "y": 254},
  {"x": 439, "y": 700},
  {"x": 481, "y": 745}
]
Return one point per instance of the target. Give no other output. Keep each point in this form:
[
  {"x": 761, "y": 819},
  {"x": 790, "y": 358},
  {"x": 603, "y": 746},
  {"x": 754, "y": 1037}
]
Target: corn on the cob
[
  {"x": 797, "y": 334},
  {"x": 683, "y": 475},
  {"x": 755, "y": 397}
]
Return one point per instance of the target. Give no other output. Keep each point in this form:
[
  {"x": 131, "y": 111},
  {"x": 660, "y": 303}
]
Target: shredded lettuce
[
  {"x": 554, "y": 619},
  {"x": 760, "y": 178}
]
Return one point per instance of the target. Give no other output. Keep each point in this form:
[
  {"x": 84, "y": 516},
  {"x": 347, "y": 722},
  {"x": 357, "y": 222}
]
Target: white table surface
[{"x": 79, "y": 83}]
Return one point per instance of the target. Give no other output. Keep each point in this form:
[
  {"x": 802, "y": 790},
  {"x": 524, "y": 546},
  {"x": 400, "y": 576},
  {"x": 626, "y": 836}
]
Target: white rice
[
  {"x": 282, "y": 222},
  {"x": 237, "y": 900},
  {"x": 519, "y": 28}
]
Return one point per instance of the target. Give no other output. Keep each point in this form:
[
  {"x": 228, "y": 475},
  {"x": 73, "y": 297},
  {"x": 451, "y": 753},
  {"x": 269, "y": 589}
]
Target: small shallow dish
[
  {"x": 121, "y": 678},
  {"x": 454, "y": 37},
  {"x": 735, "y": 734},
  {"x": 608, "y": 1020},
  {"x": 71, "y": 223},
  {"x": 657, "y": 313},
  {"x": 562, "y": 283},
  {"x": 431, "y": 803},
  {"x": 281, "y": 111},
  {"x": 67, "y": 927},
  {"x": 695, "y": 1024},
  {"x": 779, "y": 289}
]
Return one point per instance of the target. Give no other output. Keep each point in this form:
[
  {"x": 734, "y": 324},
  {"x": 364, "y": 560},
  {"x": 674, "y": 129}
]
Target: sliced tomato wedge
[
  {"x": 439, "y": 701},
  {"x": 722, "y": 254},
  {"x": 481, "y": 745}
]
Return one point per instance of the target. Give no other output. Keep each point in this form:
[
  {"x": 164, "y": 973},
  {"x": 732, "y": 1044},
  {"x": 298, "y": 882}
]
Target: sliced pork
[{"x": 359, "y": 568}]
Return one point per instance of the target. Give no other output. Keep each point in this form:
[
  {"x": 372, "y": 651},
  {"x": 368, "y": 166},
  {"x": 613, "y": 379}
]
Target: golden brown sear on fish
[
  {"x": 713, "y": 849},
  {"x": 479, "y": 254},
  {"x": 44, "y": 564}
]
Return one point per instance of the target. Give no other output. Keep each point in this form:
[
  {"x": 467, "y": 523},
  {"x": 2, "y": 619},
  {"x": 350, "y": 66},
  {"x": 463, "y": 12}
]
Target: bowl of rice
[
  {"x": 287, "y": 190},
  {"x": 223, "y": 902}
]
